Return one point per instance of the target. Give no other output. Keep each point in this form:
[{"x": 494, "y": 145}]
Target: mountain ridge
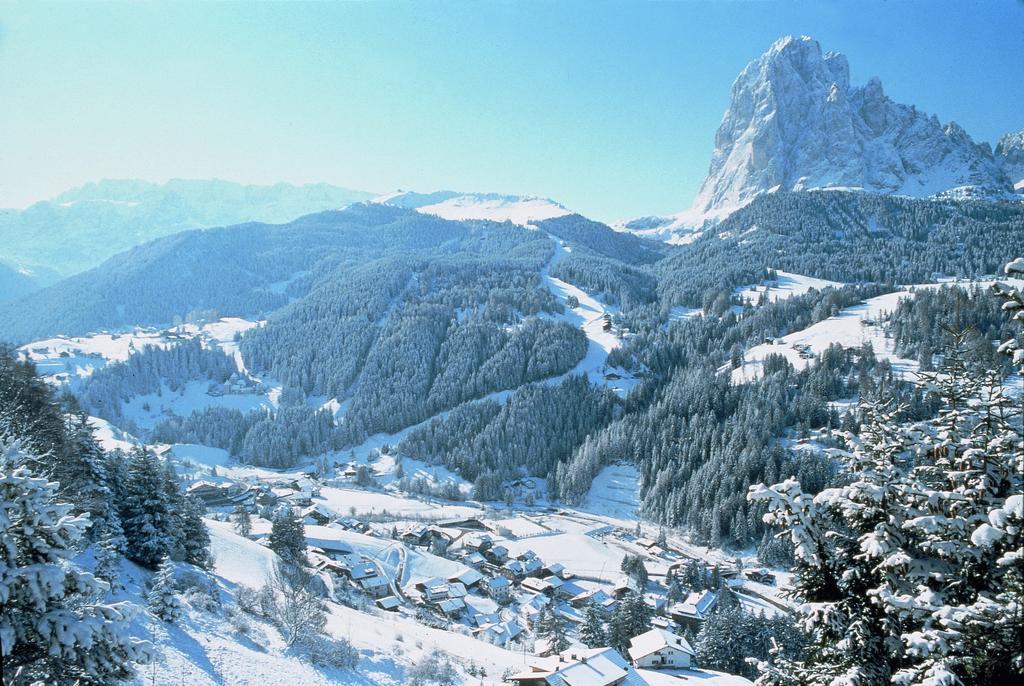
[{"x": 795, "y": 122}]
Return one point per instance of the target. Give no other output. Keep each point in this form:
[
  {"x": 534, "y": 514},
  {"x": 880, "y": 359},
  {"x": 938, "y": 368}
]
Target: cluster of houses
[
  {"x": 296, "y": 493},
  {"x": 657, "y": 649},
  {"x": 236, "y": 384}
]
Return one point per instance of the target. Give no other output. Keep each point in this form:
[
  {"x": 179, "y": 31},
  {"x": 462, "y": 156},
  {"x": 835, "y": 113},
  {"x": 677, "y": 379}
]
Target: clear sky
[{"x": 610, "y": 108}]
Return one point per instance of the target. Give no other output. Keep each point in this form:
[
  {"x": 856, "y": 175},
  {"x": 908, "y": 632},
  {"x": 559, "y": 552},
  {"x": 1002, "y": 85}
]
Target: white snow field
[
  {"x": 518, "y": 209},
  {"x": 205, "y": 648},
  {"x": 589, "y": 316},
  {"x": 851, "y": 328},
  {"x": 615, "y": 492},
  {"x": 784, "y": 286}
]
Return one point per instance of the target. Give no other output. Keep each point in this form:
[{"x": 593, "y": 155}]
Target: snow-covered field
[
  {"x": 851, "y": 328},
  {"x": 784, "y": 286},
  {"x": 615, "y": 492}
]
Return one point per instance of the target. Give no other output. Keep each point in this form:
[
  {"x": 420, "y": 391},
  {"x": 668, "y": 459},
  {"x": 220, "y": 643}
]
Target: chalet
[
  {"x": 646, "y": 542},
  {"x": 660, "y": 649},
  {"x": 514, "y": 570},
  {"x": 566, "y": 590},
  {"x": 326, "y": 540},
  {"x": 456, "y": 590},
  {"x": 692, "y": 612},
  {"x": 318, "y": 514},
  {"x": 655, "y": 603},
  {"x": 483, "y": 619},
  {"x": 467, "y": 577},
  {"x": 557, "y": 569},
  {"x": 353, "y": 524},
  {"x": 591, "y": 667},
  {"x": 389, "y": 603},
  {"x": 364, "y": 570},
  {"x": 376, "y": 586},
  {"x": 417, "y": 534},
  {"x": 761, "y": 576},
  {"x": 499, "y": 633},
  {"x": 526, "y": 555},
  {"x": 479, "y": 542},
  {"x": 624, "y": 585},
  {"x": 583, "y": 599},
  {"x": 535, "y": 585},
  {"x": 467, "y": 524},
  {"x": 350, "y": 471},
  {"x": 452, "y": 607},
  {"x": 474, "y": 559},
  {"x": 533, "y": 567},
  {"x": 498, "y": 588},
  {"x": 498, "y": 554}
]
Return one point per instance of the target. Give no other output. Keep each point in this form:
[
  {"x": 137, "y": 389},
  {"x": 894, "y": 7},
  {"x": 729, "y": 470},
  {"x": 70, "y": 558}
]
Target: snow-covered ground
[
  {"x": 615, "y": 492},
  {"x": 518, "y": 209},
  {"x": 589, "y": 316},
  {"x": 785, "y": 285},
  {"x": 851, "y": 328}
]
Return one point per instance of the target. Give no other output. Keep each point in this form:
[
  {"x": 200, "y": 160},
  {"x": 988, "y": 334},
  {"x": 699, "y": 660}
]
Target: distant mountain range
[
  {"x": 80, "y": 228},
  {"x": 795, "y": 123}
]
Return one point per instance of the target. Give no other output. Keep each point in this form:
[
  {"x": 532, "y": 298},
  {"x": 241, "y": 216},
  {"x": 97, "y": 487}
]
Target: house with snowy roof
[
  {"x": 498, "y": 588},
  {"x": 590, "y": 667},
  {"x": 467, "y": 577},
  {"x": 694, "y": 610},
  {"x": 660, "y": 649},
  {"x": 376, "y": 586}
]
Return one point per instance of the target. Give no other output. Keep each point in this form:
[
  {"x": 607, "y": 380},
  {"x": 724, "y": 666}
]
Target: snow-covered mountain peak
[
  {"x": 519, "y": 209},
  {"x": 795, "y": 122},
  {"x": 1010, "y": 153}
]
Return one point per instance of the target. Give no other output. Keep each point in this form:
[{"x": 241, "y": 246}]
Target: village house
[
  {"x": 498, "y": 588},
  {"x": 467, "y": 577},
  {"x": 592, "y": 667},
  {"x": 692, "y": 612},
  {"x": 389, "y": 603},
  {"x": 375, "y": 586},
  {"x": 660, "y": 649}
]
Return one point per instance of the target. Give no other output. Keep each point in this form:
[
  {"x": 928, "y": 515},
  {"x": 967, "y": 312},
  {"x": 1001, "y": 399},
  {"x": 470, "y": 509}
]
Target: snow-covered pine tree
[
  {"x": 163, "y": 598},
  {"x": 912, "y": 572},
  {"x": 195, "y": 539},
  {"x": 149, "y": 524},
  {"x": 592, "y": 633},
  {"x": 631, "y": 618},
  {"x": 52, "y": 630},
  {"x": 243, "y": 522},
  {"x": 551, "y": 627},
  {"x": 108, "y": 560},
  {"x": 288, "y": 537}
]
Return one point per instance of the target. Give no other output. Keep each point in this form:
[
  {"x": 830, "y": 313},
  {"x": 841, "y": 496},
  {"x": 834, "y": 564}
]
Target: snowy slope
[
  {"x": 517, "y": 209},
  {"x": 851, "y": 328},
  {"x": 795, "y": 122}
]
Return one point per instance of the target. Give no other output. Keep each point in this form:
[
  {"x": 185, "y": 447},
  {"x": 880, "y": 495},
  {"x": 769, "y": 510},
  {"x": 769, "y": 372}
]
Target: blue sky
[{"x": 610, "y": 108}]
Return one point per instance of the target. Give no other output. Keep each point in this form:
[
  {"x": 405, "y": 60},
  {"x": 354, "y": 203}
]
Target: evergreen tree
[
  {"x": 631, "y": 618},
  {"x": 288, "y": 537},
  {"x": 52, "y": 630},
  {"x": 551, "y": 627},
  {"x": 163, "y": 598},
  {"x": 243, "y": 522},
  {"x": 108, "y": 561},
  {"x": 148, "y": 522},
  {"x": 912, "y": 570},
  {"x": 592, "y": 632},
  {"x": 194, "y": 537}
]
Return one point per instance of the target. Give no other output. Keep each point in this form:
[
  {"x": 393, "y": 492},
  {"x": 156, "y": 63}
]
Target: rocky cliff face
[
  {"x": 1010, "y": 153},
  {"x": 794, "y": 122}
]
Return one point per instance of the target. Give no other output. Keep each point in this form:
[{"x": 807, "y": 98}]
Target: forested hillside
[{"x": 462, "y": 330}]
